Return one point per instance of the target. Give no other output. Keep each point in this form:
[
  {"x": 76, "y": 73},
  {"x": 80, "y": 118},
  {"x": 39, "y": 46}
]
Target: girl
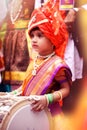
[{"x": 48, "y": 78}]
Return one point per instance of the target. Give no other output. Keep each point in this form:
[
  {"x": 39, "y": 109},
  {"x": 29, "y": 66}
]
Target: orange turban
[{"x": 50, "y": 21}]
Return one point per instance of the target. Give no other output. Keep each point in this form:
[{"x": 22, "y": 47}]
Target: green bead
[{"x": 15, "y": 92}]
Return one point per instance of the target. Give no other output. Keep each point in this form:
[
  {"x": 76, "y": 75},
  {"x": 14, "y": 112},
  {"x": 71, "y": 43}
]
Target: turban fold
[{"x": 51, "y": 22}]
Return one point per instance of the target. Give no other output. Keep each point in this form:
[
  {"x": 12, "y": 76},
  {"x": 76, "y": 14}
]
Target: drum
[{"x": 16, "y": 114}]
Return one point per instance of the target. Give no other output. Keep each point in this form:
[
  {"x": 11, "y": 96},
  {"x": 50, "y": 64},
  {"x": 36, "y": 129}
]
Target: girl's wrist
[
  {"x": 54, "y": 97},
  {"x": 49, "y": 98},
  {"x": 57, "y": 96}
]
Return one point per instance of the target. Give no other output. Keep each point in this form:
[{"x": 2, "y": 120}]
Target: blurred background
[{"x": 15, "y": 52}]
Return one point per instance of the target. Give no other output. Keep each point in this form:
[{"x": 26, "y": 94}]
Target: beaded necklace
[{"x": 36, "y": 66}]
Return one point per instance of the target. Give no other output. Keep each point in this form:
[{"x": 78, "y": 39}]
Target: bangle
[
  {"x": 49, "y": 98},
  {"x": 60, "y": 98},
  {"x": 60, "y": 94},
  {"x": 15, "y": 92}
]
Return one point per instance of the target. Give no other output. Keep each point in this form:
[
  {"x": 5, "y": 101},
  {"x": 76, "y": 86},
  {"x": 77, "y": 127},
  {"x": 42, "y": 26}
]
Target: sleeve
[{"x": 64, "y": 75}]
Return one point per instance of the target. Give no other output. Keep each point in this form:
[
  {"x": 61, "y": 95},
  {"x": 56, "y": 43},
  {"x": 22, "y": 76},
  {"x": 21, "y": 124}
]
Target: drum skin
[{"x": 20, "y": 117}]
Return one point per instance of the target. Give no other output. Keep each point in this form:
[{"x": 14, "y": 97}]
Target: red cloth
[
  {"x": 1, "y": 58},
  {"x": 50, "y": 21}
]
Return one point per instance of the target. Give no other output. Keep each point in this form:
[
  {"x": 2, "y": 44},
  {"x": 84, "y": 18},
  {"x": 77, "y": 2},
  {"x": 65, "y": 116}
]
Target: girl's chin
[{"x": 35, "y": 49}]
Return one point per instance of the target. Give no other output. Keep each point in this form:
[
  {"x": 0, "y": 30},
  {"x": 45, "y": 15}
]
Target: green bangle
[
  {"x": 15, "y": 92},
  {"x": 50, "y": 98}
]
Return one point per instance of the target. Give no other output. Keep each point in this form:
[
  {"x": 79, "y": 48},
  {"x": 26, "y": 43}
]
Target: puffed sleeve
[{"x": 64, "y": 75}]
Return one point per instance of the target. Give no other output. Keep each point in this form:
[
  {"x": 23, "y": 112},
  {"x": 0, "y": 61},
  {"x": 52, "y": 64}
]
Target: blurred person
[
  {"x": 76, "y": 22},
  {"x": 75, "y": 53},
  {"x": 15, "y": 47}
]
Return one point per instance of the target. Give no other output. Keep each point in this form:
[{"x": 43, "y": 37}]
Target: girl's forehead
[{"x": 34, "y": 29}]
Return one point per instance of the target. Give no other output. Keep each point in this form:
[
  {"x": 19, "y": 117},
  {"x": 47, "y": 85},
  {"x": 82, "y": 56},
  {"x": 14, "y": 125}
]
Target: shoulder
[
  {"x": 63, "y": 68},
  {"x": 61, "y": 62}
]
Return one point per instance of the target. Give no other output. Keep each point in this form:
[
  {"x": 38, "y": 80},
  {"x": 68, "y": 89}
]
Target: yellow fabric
[
  {"x": 14, "y": 75},
  {"x": 21, "y": 24}
]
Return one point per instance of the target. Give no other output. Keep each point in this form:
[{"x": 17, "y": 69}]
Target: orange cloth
[{"x": 50, "y": 21}]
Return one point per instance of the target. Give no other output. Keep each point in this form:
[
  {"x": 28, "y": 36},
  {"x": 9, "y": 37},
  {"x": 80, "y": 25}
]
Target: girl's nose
[{"x": 34, "y": 39}]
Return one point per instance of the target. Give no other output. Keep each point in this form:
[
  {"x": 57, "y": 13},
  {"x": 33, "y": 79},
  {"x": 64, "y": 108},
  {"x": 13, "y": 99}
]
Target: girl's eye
[
  {"x": 40, "y": 35},
  {"x": 37, "y": 34},
  {"x": 31, "y": 35}
]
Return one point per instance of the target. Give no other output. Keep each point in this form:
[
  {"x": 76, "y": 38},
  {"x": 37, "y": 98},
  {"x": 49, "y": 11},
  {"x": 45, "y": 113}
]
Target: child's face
[{"x": 41, "y": 43}]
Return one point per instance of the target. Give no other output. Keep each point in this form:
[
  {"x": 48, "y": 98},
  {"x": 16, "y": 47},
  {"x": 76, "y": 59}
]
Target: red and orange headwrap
[{"x": 50, "y": 21}]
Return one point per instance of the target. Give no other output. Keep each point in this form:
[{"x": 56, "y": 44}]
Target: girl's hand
[{"x": 38, "y": 103}]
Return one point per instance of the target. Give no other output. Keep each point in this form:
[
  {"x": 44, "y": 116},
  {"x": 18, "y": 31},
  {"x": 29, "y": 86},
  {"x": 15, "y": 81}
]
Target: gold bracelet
[
  {"x": 47, "y": 99},
  {"x": 60, "y": 97},
  {"x": 60, "y": 94}
]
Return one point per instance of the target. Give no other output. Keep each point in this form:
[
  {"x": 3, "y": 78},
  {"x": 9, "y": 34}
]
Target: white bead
[{"x": 33, "y": 72}]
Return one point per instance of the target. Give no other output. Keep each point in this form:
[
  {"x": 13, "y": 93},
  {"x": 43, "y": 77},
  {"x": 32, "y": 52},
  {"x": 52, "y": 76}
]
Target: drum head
[{"x": 21, "y": 117}]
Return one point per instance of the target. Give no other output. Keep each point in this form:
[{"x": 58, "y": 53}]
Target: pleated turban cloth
[{"x": 50, "y": 21}]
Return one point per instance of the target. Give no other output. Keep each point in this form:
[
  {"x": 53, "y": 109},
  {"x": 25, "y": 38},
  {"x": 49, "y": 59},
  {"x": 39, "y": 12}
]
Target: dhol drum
[{"x": 16, "y": 114}]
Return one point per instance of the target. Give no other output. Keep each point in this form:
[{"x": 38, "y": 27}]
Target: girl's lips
[{"x": 35, "y": 46}]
